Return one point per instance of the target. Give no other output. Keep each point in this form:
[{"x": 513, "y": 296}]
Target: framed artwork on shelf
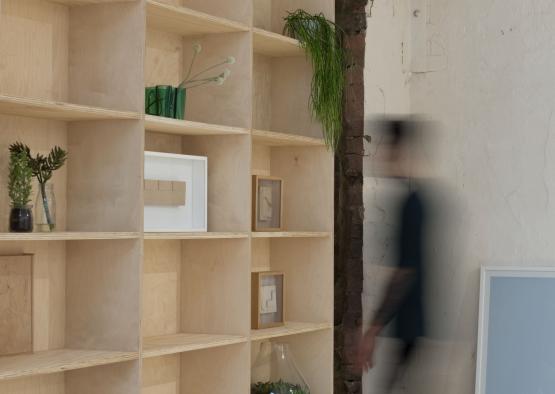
[
  {"x": 267, "y": 203},
  {"x": 268, "y": 296},
  {"x": 175, "y": 192}
]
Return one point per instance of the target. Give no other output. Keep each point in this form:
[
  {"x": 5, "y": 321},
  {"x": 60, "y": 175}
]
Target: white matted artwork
[
  {"x": 516, "y": 350},
  {"x": 189, "y": 173}
]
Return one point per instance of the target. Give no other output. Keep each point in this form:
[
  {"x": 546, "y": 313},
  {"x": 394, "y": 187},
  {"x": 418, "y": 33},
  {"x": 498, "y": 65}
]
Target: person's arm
[{"x": 397, "y": 289}]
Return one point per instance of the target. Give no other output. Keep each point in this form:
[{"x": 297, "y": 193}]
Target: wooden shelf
[
  {"x": 272, "y": 138},
  {"x": 52, "y": 361},
  {"x": 290, "y": 328},
  {"x": 290, "y": 234},
  {"x": 186, "y": 127},
  {"x": 68, "y": 236},
  {"x": 35, "y": 108},
  {"x": 179, "y": 343},
  {"x": 187, "y": 22},
  {"x": 275, "y": 45},
  {"x": 209, "y": 235},
  {"x": 84, "y": 2}
]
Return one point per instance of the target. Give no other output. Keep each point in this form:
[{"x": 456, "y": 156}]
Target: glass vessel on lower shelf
[
  {"x": 45, "y": 208},
  {"x": 275, "y": 371}
]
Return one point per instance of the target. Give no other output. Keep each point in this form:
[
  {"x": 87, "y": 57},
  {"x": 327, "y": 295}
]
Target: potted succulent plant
[
  {"x": 169, "y": 101},
  {"x": 42, "y": 168},
  {"x": 19, "y": 190},
  {"x": 322, "y": 40}
]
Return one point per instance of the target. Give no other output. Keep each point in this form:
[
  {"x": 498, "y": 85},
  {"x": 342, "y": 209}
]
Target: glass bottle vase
[
  {"x": 275, "y": 371},
  {"x": 45, "y": 208}
]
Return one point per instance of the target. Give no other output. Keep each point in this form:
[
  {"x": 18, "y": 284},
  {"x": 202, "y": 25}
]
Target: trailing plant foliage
[
  {"x": 322, "y": 40},
  {"x": 19, "y": 179},
  {"x": 279, "y": 387}
]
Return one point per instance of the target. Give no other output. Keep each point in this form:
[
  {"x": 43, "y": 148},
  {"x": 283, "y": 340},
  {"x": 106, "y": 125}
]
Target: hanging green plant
[{"x": 322, "y": 40}]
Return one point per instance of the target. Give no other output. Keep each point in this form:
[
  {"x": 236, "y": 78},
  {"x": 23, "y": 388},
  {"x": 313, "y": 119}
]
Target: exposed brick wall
[{"x": 349, "y": 211}]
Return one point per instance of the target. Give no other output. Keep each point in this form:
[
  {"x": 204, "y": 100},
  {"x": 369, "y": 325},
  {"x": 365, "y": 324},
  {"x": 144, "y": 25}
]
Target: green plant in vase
[
  {"x": 169, "y": 101},
  {"x": 322, "y": 40},
  {"x": 19, "y": 190},
  {"x": 279, "y": 387},
  {"x": 42, "y": 168}
]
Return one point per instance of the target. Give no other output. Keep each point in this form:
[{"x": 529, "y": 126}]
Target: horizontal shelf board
[
  {"x": 186, "y": 127},
  {"x": 187, "y": 22},
  {"x": 209, "y": 235},
  {"x": 84, "y": 2},
  {"x": 275, "y": 45},
  {"x": 36, "y": 108},
  {"x": 273, "y": 138},
  {"x": 290, "y": 234},
  {"x": 290, "y": 328},
  {"x": 67, "y": 236},
  {"x": 53, "y": 361},
  {"x": 179, "y": 343}
]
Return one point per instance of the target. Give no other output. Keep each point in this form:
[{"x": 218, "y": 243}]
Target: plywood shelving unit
[{"x": 115, "y": 309}]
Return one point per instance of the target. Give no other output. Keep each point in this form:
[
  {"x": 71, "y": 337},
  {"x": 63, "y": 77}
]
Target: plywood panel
[
  {"x": 161, "y": 288},
  {"x": 291, "y": 112},
  {"x": 16, "y": 313},
  {"x": 225, "y": 375},
  {"x": 34, "y": 49},
  {"x": 42, "y": 384},
  {"x": 12, "y": 129},
  {"x": 185, "y": 127},
  {"x": 215, "y": 281},
  {"x": 164, "y": 58},
  {"x": 52, "y": 361},
  {"x": 49, "y": 279},
  {"x": 166, "y": 143},
  {"x": 237, "y": 10},
  {"x": 105, "y": 170},
  {"x": 103, "y": 295},
  {"x": 107, "y": 379},
  {"x": 262, "y": 11},
  {"x": 275, "y": 45},
  {"x": 161, "y": 375},
  {"x": 308, "y": 187},
  {"x": 180, "y": 343},
  {"x": 308, "y": 268},
  {"x": 288, "y": 329},
  {"x": 262, "y": 92},
  {"x": 260, "y": 257},
  {"x": 106, "y": 55},
  {"x": 229, "y": 181},
  {"x": 230, "y": 103}
]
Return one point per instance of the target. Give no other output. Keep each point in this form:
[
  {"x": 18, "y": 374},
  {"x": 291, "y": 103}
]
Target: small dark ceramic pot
[{"x": 21, "y": 220}]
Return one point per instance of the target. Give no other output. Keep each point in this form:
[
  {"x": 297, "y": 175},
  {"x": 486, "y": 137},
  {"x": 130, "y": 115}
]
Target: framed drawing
[
  {"x": 175, "y": 193},
  {"x": 268, "y": 299},
  {"x": 515, "y": 331},
  {"x": 267, "y": 203}
]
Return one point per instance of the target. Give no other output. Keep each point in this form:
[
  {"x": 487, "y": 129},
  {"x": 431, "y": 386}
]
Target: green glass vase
[{"x": 166, "y": 101}]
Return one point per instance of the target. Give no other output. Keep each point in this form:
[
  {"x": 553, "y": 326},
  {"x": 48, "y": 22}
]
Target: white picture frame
[
  {"x": 193, "y": 170},
  {"x": 510, "y": 322}
]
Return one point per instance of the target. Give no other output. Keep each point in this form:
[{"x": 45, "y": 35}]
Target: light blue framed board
[{"x": 516, "y": 331}]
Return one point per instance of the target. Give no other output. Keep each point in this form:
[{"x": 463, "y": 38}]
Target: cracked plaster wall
[{"x": 483, "y": 69}]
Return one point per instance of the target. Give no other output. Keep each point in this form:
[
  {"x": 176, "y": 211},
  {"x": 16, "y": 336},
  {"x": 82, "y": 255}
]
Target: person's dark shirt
[{"x": 404, "y": 296}]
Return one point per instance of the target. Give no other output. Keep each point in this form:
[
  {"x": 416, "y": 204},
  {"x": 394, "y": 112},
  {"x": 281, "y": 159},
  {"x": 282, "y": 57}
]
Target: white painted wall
[{"x": 484, "y": 70}]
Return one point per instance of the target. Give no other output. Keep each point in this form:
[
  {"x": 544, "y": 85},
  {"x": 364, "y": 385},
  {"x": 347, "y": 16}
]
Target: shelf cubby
[
  {"x": 214, "y": 370},
  {"x": 228, "y": 179},
  {"x": 269, "y": 14}
]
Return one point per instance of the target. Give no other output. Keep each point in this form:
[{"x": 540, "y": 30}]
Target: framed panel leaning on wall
[{"x": 516, "y": 331}]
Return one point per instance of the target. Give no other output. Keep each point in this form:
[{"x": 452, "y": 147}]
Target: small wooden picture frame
[
  {"x": 268, "y": 300},
  {"x": 267, "y": 212}
]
